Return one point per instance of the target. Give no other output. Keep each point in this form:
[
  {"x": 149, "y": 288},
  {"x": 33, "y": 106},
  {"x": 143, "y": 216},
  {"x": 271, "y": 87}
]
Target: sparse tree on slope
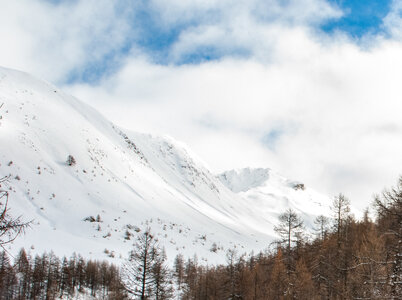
[
  {"x": 10, "y": 227},
  {"x": 288, "y": 228},
  {"x": 340, "y": 209},
  {"x": 322, "y": 223},
  {"x": 143, "y": 264}
]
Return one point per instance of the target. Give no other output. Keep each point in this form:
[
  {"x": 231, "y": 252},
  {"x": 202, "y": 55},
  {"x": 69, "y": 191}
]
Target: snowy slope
[
  {"x": 271, "y": 194},
  {"x": 130, "y": 180}
]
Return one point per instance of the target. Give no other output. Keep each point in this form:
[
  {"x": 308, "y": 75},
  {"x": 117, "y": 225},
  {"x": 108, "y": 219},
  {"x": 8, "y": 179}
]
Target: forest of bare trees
[
  {"x": 49, "y": 277},
  {"x": 348, "y": 259}
]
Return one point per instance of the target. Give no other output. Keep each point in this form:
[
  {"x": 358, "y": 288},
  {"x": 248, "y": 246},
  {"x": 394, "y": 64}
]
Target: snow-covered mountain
[
  {"x": 271, "y": 194},
  {"x": 122, "y": 182}
]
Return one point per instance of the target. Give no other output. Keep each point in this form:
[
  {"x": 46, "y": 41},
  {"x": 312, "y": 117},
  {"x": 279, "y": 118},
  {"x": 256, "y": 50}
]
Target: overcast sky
[{"x": 309, "y": 88}]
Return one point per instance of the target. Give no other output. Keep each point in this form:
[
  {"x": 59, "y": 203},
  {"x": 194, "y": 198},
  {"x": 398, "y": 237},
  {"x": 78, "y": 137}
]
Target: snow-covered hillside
[
  {"x": 123, "y": 181},
  {"x": 271, "y": 194}
]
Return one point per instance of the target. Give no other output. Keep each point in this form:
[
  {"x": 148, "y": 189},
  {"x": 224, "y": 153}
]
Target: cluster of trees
[
  {"x": 49, "y": 277},
  {"x": 144, "y": 275},
  {"x": 348, "y": 259}
]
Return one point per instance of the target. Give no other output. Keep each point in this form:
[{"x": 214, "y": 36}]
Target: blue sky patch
[
  {"x": 154, "y": 38},
  {"x": 94, "y": 71},
  {"x": 360, "y": 17}
]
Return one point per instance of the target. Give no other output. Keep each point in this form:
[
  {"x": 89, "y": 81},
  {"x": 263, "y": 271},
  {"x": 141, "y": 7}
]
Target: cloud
[
  {"x": 243, "y": 28},
  {"x": 68, "y": 41},
  {"x": 216, "y": 11},
  {"x": 336, "y": 107},
  {"x": 53, "y": 41},
  {"x": 244, "y": 83},
  {"x": 393, "y": 21}
]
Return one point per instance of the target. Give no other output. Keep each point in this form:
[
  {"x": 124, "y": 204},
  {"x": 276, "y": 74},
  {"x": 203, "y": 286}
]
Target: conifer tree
[
  {"x": 278, "y": 284},
  {"x": 192, "y": 275},
  {"x": 178, "y": 268},
  {"x": 138, "y": 276},
  {"x": 321, "y": 223},
  {"x": 303, "y": 283},
  {"x": 161, "y": 275},
  {"x": 80, "y": 272},
  {"x": 389, "y": 210},
  {"x": 10, "y": 227},
  {"x": 232, "y": 273},
  {"x": 53, "y": 276},
  {"x": 340, "y": 208},
  {"x": 7, "y": 277},
  {"x": 290, "y": 228},
  {"x": 22, "y": 267},
  {"x": 289, "y": 225}
]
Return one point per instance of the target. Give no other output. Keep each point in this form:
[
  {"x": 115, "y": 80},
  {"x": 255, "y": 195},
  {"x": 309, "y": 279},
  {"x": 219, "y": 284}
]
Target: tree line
[
  {"x": 347, "y": 259},
  {"x": 49, "y": 277}
]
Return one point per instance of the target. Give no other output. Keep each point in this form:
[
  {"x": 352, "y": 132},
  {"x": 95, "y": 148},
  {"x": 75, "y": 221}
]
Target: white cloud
[
  {"x": 53, "y": 40},
  {"x": 242, "y": 26},
  {"x": 219, "y": 11},
  {"x": 393, "y": 21},
  {"x": 337, "y": 106}
]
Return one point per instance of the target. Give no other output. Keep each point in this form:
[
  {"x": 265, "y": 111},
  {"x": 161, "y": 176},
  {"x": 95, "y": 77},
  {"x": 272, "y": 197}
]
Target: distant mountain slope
[
  {"x": 123, "y": 181},
  {"x": 271, "y": 194}
]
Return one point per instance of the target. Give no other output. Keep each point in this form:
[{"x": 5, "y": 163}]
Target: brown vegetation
[{"x": 355, "y": 259}]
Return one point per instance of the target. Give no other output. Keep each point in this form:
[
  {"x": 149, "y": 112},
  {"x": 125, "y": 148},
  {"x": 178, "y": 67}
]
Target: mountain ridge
[{"x": 130, "y": 180}]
